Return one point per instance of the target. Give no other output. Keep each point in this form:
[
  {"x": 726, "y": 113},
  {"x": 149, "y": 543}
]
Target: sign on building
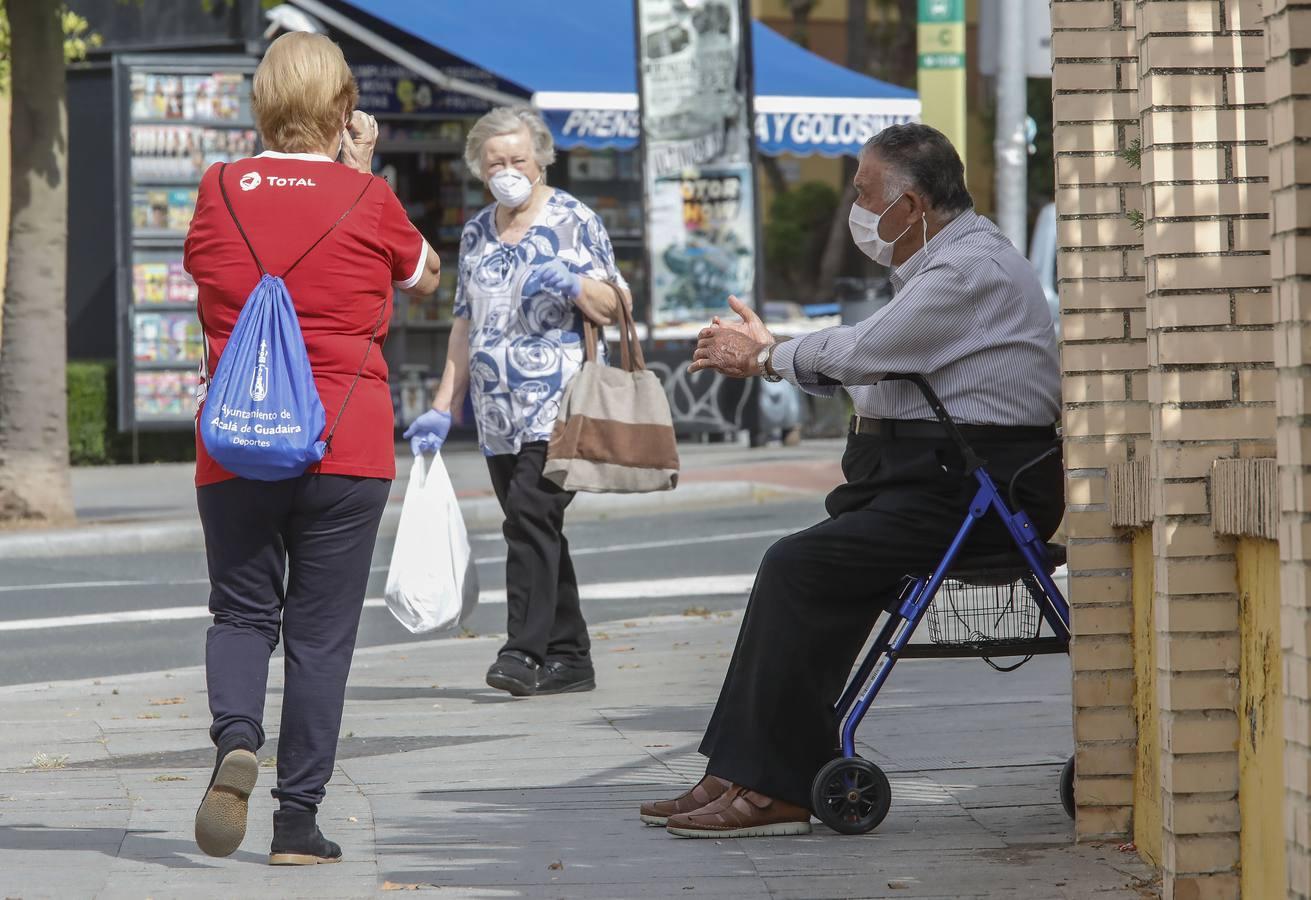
[{"x": 696, "y": 126}]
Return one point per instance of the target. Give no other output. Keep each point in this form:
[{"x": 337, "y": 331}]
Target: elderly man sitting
[{"x": 969, "y": 314}]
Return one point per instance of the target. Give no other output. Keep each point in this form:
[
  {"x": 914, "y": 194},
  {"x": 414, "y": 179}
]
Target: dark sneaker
[
  {"x": 515, "y": 673},
  {"x": 558, "y": 677},
  {"x": 221, "y": 818},
  {"x": 297, "y": 841}
]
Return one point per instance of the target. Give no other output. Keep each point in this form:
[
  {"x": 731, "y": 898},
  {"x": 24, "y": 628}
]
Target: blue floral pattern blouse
[{"x": 524, "y": 350}]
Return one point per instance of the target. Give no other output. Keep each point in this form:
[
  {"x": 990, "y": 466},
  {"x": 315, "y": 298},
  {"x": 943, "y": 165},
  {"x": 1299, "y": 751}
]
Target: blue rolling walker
[{"x": 991, "y": 607}]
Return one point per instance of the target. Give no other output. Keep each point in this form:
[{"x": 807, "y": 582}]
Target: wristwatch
[{"x": 763, "y": 359}]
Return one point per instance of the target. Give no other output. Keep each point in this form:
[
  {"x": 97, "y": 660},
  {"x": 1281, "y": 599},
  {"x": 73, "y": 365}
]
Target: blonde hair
[
  {"x": 508, "y": 120},
  {"x": 302, "y": 94}
]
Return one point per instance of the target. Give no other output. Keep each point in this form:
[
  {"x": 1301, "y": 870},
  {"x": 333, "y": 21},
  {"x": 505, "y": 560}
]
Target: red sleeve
[
  {"x": 405, "y": 246},
  {"x": 202, "y": 224}
]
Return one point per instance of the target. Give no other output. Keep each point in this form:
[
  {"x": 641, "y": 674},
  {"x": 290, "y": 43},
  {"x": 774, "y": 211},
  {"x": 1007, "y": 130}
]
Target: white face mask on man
[
  {"x": 511, "y": 187},
  {"x": 864, "y": 227}
]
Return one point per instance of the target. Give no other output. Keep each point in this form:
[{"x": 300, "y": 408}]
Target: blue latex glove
[
  {"x": 555, "y": 277},
  {"x": 427, "y": 433}
]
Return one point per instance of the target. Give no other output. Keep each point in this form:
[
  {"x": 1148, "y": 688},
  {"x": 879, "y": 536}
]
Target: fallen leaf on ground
[
  {"x": 697, "y": 611},
  {"x": 404, "y": 886},
  {"x": 46, "y": 761},
  {"x": 114, "y": 692},
  {"x": 168, "y": 701},
  {"x": 171, "y": 778},
  {"x": 621, "y": 649},
  {"x": 269, "y": 762},
  {"x": 556, "y": 866},
  {"x": 658, "y": 745},
  {"x": 1129, "y": 847},
  {"x": 631, "y": 666},
  {"x": 600, "y": 636},
  {"x": 630, "y": 624},
  {"x": 147, "y": 715}
]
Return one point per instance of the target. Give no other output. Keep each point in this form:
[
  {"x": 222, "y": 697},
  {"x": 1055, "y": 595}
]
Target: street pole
[
  {"x": 941, "y": 44},
  {"x": 1010, "y": 143}
]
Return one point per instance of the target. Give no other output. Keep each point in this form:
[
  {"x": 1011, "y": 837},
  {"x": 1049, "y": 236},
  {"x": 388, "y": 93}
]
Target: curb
[{"x": 479, "y": 513}]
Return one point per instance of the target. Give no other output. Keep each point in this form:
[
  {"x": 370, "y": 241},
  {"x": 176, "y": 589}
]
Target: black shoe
[
  {"x": 297, "y": 841},
  {"x": 221, "y": 818},
  {"x": 558, "y": 677},
  {"x": 515, "y": 673}
]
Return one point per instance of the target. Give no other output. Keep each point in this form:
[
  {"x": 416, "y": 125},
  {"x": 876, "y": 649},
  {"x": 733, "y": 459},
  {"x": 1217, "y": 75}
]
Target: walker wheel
[
  {"x": 851, "y": 795},
  {"x": 1067, "y": 787}
]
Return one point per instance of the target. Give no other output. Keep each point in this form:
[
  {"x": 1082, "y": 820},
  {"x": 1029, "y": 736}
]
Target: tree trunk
[
  {"x": 773, "y": 174},
  {"x": 34, "y": 482},
  {"x": 839, "y": 237},
  {"x": 838, "y": 241}
]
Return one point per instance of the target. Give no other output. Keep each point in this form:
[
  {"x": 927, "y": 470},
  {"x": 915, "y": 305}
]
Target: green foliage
[
  {"x": 1133, "y": 154},
  {"x": 88, "y": 412},
  {"x": 78, "y": 39},
  {"x": 93, "y": 436},
  {"x": 797, "y": 228}
]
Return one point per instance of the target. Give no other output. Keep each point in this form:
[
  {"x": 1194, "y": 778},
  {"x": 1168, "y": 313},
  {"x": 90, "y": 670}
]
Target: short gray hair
[
  {"x": 921, "y": 158},
  {"x": 508, "y": 120}
]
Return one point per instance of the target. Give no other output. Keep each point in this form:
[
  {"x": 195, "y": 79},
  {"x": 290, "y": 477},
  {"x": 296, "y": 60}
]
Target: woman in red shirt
[{"x": 316, "y": 531}]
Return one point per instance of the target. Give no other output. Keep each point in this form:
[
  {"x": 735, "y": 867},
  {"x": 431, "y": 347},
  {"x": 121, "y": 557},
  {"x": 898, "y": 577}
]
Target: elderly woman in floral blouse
[{"x": 532, "y": 265}]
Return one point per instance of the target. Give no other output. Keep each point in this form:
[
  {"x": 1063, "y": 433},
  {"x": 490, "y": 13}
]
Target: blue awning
[{"x": 577, "y": 61}]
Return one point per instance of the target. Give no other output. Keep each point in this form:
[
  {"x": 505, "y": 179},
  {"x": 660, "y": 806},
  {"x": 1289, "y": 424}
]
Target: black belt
[{"x": 915, "y": 428}]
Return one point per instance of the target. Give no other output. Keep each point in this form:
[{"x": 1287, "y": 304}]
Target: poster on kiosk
[{"x": 695, "y": 101}]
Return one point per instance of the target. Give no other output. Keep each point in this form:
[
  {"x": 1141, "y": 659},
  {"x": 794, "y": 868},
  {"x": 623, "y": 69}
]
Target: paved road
[{"x": 634, "y": 567}]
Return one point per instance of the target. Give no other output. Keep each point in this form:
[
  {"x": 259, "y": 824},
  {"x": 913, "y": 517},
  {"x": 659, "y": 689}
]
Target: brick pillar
[
  {"x": 1205, "y": 244},
  {"x": 1104, "y": 360},
  {"x": 1288, "y": 97}
]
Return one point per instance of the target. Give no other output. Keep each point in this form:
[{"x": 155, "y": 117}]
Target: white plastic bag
[{"x": 431, "y": 582}]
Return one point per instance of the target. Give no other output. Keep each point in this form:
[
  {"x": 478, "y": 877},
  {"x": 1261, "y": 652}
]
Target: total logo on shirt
[{"x": 252, "y": 180}]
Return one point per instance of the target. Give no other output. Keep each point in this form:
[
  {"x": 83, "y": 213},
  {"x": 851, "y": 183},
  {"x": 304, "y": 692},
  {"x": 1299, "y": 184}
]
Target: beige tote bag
[{"x": 614, "y": 434}]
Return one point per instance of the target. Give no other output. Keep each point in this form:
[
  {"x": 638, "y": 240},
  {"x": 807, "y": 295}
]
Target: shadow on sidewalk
[
  {"x": 473, "y": 695},
  {"x": 347, "y": 748},
  {"x": 116, "y": 843}
]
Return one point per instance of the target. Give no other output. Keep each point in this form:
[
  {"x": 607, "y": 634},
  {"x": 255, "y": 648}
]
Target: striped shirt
[{"x": 968, "y": 313}]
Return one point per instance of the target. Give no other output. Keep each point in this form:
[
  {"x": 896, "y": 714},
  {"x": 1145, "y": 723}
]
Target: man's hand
[
  {"x": 358, "y": 141},
  {"x": 732, "y": 347},
  {"x": 749, "y": 323}
]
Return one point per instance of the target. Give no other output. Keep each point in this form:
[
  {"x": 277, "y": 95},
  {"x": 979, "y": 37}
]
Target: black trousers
[
  {"x": 818, "y": 594},
  {"x": 317, "y": 532},
  {"x": 545, "y": 617}
]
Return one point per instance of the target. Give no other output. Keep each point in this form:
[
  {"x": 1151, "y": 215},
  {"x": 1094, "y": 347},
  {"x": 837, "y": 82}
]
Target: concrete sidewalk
[
  {"x": 446, "y": 786},
  {"x": 132, "y": 509}
]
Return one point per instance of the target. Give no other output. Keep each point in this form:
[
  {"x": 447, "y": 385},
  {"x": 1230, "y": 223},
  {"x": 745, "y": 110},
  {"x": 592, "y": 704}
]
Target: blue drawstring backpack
[{"x": 262, "y": 417}]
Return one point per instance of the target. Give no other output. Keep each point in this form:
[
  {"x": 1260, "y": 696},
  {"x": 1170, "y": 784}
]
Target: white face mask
[
  {"x": 511, "y": 187},
  {"x": 864, "y": 227}
]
